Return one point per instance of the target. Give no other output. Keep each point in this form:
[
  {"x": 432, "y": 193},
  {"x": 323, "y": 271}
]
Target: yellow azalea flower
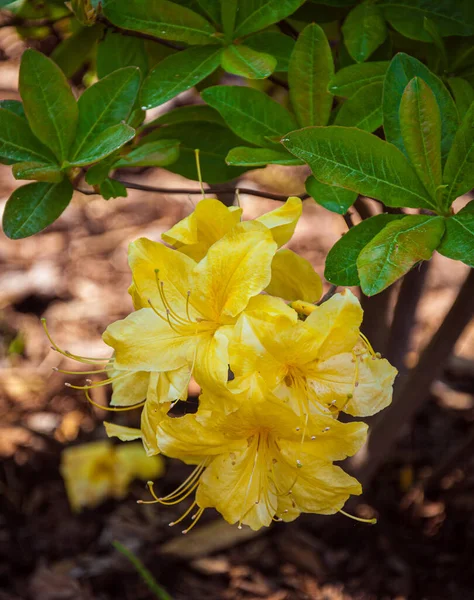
[
  {"x": 96, "y": 471},
  {"x": 211, "y": 220},
  {"x": 322, "y": 364},
  {"x": 192, "y": 306},
  {"x": 256, "y": 465},
  {"x": 293, "y": 278}
]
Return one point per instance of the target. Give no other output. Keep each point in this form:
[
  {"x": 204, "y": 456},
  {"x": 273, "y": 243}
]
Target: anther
[
  {"x": 313, "y": 437},
  {"x": 298, "y": 428},
  {"x": 326, "y": 429},
  {"x": 299, "y": 464}
]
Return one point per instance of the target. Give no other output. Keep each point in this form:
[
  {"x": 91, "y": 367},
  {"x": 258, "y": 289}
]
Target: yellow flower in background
[
  {"x": 192, "y": 306},
  {"x": 97, "y": 471},
  {"x": 256, "y": 465},
  {"x": 320, "y": 365}
]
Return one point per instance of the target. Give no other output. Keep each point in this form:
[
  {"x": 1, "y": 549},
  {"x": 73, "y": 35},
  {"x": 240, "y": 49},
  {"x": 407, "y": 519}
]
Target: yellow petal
[
  {"x": 236, "y": 268},
  {"x": 293, "y": 278},
  {"x": 268, "y": 307},
  {"x": 143, "y": 342},
  {"x": 209, "y": 222},
  {"x": 317, "y": 487},
  {"x": 233, "y": 485},
  {"x": 125, "y": 434},
  {"x": 282, "y": 221},
  {"x": 132, "y": 459},
  {"x": 211, "y": 363},
  {"x": 187, "y": 438},
  {"x": 174, "y": 271},
  {"x": 335, "y": 324},
  {"x": 128, "y": 389},
  {"x": 155, "y": 410},
  {"x": 334, "y": 381}
]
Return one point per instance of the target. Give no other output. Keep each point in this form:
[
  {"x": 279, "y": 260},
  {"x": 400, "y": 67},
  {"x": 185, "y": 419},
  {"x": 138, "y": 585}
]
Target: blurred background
[{"x": 76, "y": 275}]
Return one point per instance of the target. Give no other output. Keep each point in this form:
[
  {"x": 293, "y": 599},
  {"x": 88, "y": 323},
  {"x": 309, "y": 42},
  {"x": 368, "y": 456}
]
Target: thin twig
[
  {"x": 210, "y": 190},
  {"x": 288, "y": 29},
  {"x": 329, "y": 294},
  {"x": 278, "y": 81},
  {"x": 348, "y": 219}
]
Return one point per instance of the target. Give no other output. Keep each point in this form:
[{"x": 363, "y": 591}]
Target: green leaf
[
  {"x": 75, "y": 50},
  {"x": 188, "y": 114},
  {"x": 49, "y": 104},
  {"x": 103, "y": 105},
  {"x": 437, "y": 40},
  {"x": 341, "y": 262},
  {"x": 33, "y": 207},
  {"x": 452, "y": 17},
  {"x": 102, "y": 145},
  {"x": 349, "y": 80},
  {"x": 277, "y": 44},
  {"x": 361, "y": 162},
  {"x": 14, "y": 106},
  {"x": 160, "y": 18},
  {"x": 364, "y": 109},
  {"x": 311, "y": 68},
  {"x": 364, "y": 30},
  {"x": 253, "y": 15},
  {"x": 17, "y": 142},
  {"x": 250, "y": 114},
  {"x": 333, "y": 198},
  {"x": 155, "y": 154},
  {"x": 458, "y": 240},
  {"x": 213, "y": 141},
  {"x": 394, "y": 251},
  {"x": 458, "y": 173},
  {"x": 260, "y": 157},
  {"x": 117, "y": 51},
  {"x": 178, "y": 73},
  {"x": 99, "y": 172},
  {"x": 420, "y": 123},
  {"x": 246, "y": 62},
  {"x": 37, "y": 171},
  {"x": 212, "y": 9},
  {"x": 228, "y": 15},
  {"x": 463, "y": 93},
  {"x": 111, "y": 188},
  {"x": 401, "y": 71}
]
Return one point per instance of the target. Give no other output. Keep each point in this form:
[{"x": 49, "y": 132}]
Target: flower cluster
[{"x": 226, "y": 306}]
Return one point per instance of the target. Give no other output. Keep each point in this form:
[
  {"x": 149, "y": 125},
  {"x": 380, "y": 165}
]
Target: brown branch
[
  {"x": 210, "y": 190},
  {"x": 329, "y": 294},
  {"x": 278, "y": 81},
  {"x": 413, "y": 392}
]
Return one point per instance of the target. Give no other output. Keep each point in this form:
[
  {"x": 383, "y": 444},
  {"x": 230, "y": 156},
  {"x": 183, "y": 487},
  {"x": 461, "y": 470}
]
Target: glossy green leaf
[
  {"x": 103, "y": 144},
  {"x": 160, "y": 18},
  {"x": 178, "y": 73},
  {"x": 341, "y": 262},
  {"x": 105, "y": 104},
  {"x": 73, "y": 52},
  {"x": 310, "y": 70},
  {"x": 228, "y": 15},
  {"x": 260, "y": 157},
  {"x": 253, "y": 15},
  {"x": 277, "y": 44},
  {"x": 98, "y": 172},
  {"x": 246, "y": 62},
  {"x": 458, "y": 173},
  {"x": 250, "y": 114},
  {"x": 458, "y": 240},
  {"x": 364, "y": 109},
  {"x": 117, "y": 51},
  {"x": 364, "y": 30},
  {"x": 33, "y": 207},
  {"x": 155, "y": 154},
  {"x": 17, "y": 142},
  {"x": 49, "y": 104},
  {"x": 420, "y": 123},
  {"x": 188, "y": 114},
  {"x": 452, "y": 17},
  {"x": 463, "y": 93},
  {"x": 433, "y": 31},
  {"x": 333, "y": 198},
  {"x": 394, "y": 251},
  {"x": 361, "y": 162},
  {"x": 38, "y": 172},
  {"x": 212, "y": 9},
  {"x": 14, "y": 106},
  {"x": 213, "y": 141},
  {"x": 111, "y": 188},
  {"x": 402, "y": 70},
  {"x": 349, "y": 80}
]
